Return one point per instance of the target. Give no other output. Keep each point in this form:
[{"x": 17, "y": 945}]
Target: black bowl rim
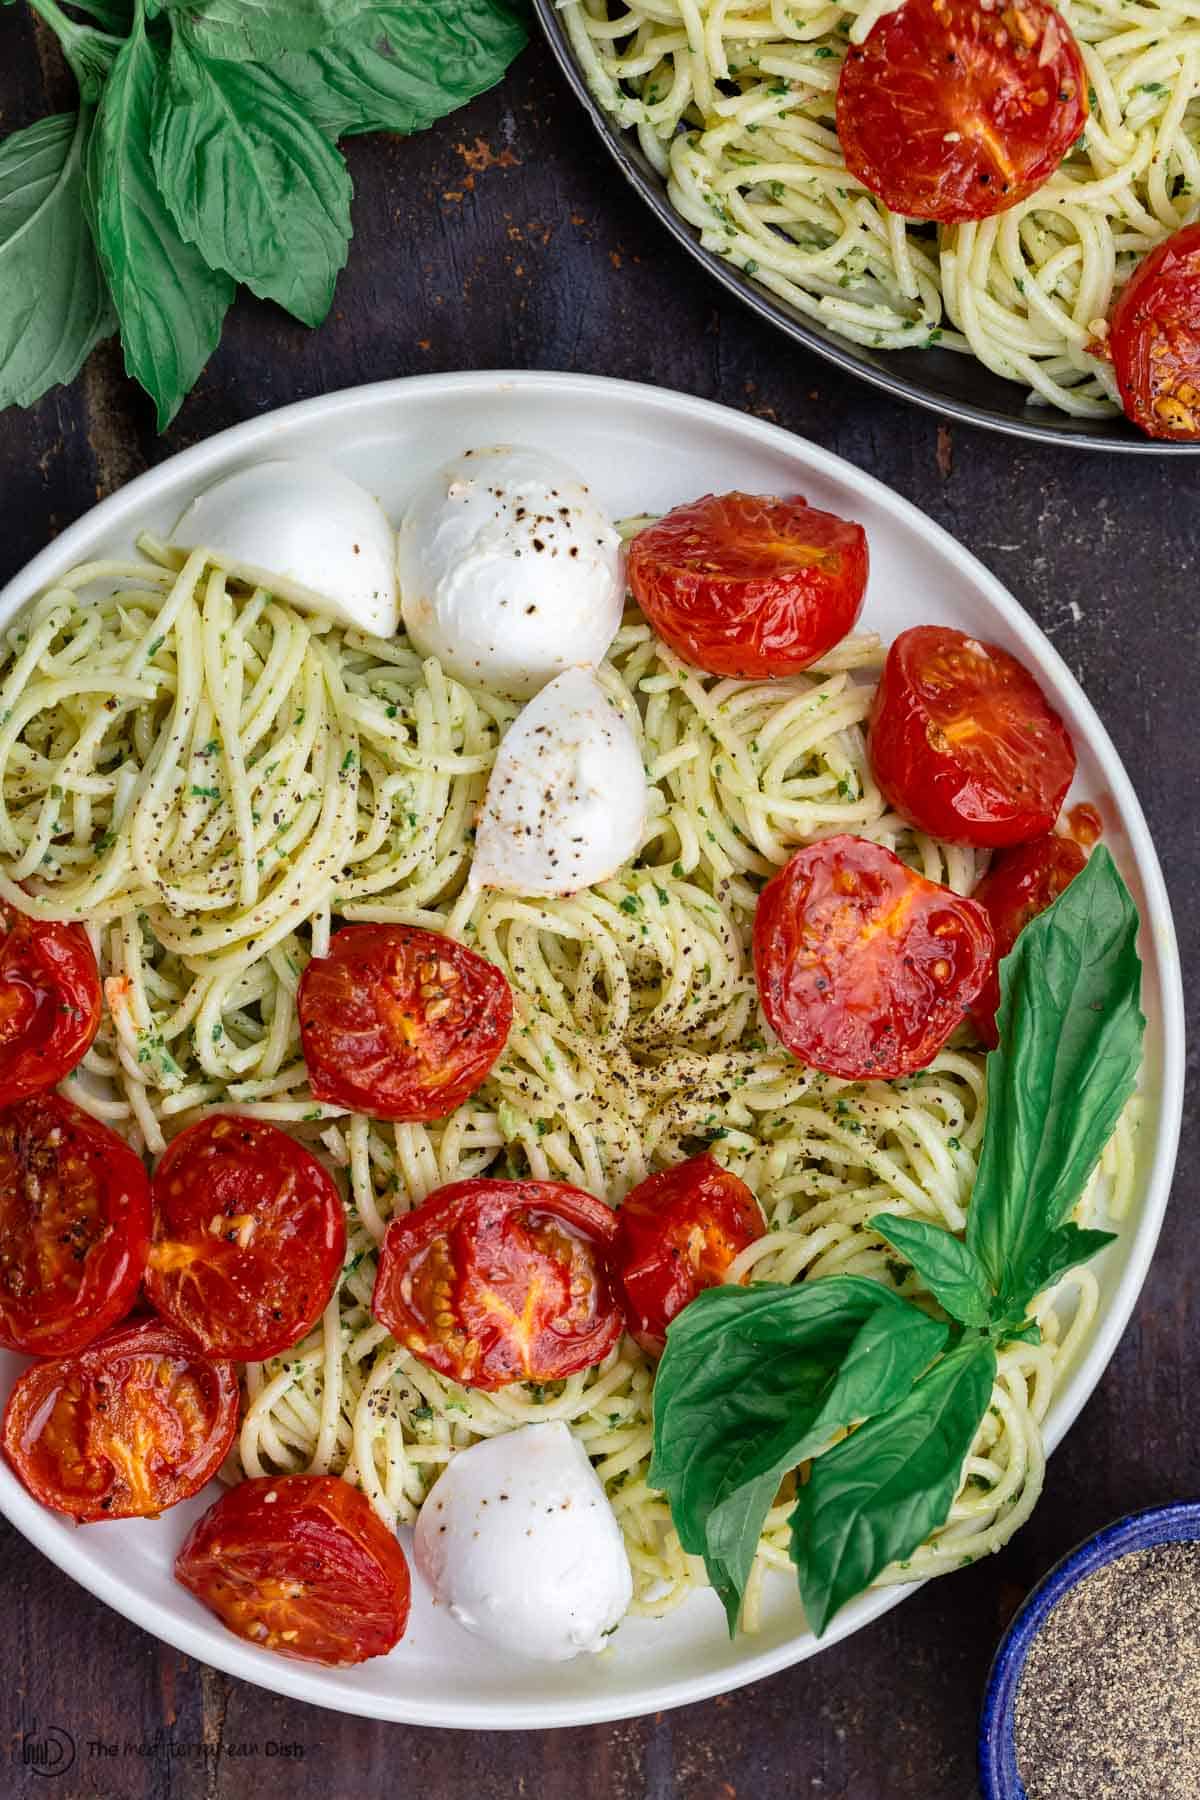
[{"x": 1125, "y": 440}]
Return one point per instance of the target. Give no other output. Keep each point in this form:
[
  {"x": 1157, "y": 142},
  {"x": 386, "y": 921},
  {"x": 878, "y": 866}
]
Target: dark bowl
[
  {"x": 998, "y": 1777},
  {"x": 944, "y": 381}
]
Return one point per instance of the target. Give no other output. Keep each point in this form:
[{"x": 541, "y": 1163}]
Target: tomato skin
[
  {"x": 1020, "y": 884},
  {"x": 678, "y": 1232},
  {"x": 301, "y": 1565},
  {"x": 74, "y": 1226},
  {"x": 142, "y": 1392},
  {"x": 259, "y": 1283},
  {"x": 491, "y": 1282},
  {"x": 49, "y": 1002},
  {"x": 748, "y": 585},
  {"x": 401, "y": 1023},
  {"x": 864, "y": 967},
  {"x": 1155, "y": 340},
  {"x": 953, "y": 111},
  {"x": 964, "y": 743}
]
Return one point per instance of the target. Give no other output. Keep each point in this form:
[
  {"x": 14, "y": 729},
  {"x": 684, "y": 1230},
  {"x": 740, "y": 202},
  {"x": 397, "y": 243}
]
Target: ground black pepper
[{"x": 1108, "y": 1706}]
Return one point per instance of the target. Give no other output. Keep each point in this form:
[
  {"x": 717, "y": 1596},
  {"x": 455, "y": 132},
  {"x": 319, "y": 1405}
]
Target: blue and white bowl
[{"x": 998, "y": 1777}]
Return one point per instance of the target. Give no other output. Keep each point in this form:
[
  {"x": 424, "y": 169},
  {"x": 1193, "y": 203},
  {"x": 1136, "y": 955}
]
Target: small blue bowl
[{"x": 998, "y": 1777}]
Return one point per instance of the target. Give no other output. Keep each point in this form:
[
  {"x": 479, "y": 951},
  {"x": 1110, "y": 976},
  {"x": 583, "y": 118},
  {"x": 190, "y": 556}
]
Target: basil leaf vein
[
  {"x": 56, "y": 305},
  {"x": 259, "y": 190},
  {"x": 874, "y": 1497},
  {"x": 258, "y": 30}
]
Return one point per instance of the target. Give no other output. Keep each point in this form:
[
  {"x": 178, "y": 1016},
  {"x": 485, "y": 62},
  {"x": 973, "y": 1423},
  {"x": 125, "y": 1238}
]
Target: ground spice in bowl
[{"x": 1108, "y": 1705}]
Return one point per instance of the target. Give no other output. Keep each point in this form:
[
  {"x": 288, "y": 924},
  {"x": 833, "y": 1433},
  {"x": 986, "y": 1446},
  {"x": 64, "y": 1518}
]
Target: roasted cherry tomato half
[
  {"x": 678, "y": 1232},
  {"x": 74, "y": 1226},
  {"x": 1155, "y": 339},
  {"x": 952, "y": 111},
  {"x": 1020, "y": 884},
  {"x": 964, "y": 743},
  {"x": 249, "y": 1237},
  {"x": 301, "y": 1565},
  {"x": 400, "y": 1023},
  {"x": 133, "y": 1424},
  {"x": 864, "y": 967},
  {"x": 49, "y": 1002},
  {"x": 497, "y": 1281},
  {"x": 750, "y": 586}
]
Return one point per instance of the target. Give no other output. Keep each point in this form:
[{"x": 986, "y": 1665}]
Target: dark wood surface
[{"x": 504, "y": 239}]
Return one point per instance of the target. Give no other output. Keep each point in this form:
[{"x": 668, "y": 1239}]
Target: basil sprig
[
  {"x": 204, "y": 155},
  {"x": 758, "y": 1379},
  {"x": 882, "y": 1400}
]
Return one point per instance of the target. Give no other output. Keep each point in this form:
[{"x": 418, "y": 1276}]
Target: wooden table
[{"x": 505, "y": 239}]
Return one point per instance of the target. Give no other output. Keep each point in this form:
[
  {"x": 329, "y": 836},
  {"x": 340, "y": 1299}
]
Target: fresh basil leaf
[
  {"x": 169, "y": 302},
  {"x": 950, "y": 1271},
  {"x": 258, "y": 30},
  {"x": 260, "y": 192},
  {"x": 401, "y": 67},
  {"x": 875, "y": 1496},
  {"x": 731, "y": 1540},
  {"x": 1062, "y": 1250},
  {"x": 753, "y": 1381},
  {"x": 1070, "y": 1048},
  {"x": 56, "y": 306}
]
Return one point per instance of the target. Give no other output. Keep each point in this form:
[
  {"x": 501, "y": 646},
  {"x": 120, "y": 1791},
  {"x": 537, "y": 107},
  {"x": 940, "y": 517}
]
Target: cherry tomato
[
  {"x": 1020, "y": 884},
  {"x": 678, "y": 1232},
  {"x": 133, "y": 1424},
  {"x": 748, "y": 585},
  {"x": 249, "y": 1237},
  {"x": 74, "y": 1226},
  {"x": 964, "y": 743},
  {"x": 951, "y": 110},
  {"x": 301, "y": 1565},
  {"x": 49, "y": 1002},
  {"x": 496, "y": 1281},
  {"x": 1155, "y": 339},
  {"x": 864, "y": 967},
  {"x": 1084, "y": 824},
  {"x": 401, "y": 1023}
]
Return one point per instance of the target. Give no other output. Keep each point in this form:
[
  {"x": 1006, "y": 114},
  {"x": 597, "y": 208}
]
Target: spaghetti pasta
[
  {"x": 209, "y": 778},
  {"x": 733, "y": 102}
]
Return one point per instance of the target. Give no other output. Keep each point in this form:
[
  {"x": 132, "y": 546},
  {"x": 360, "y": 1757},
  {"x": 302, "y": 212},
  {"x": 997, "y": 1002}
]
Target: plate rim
[
  {"x": 296, "y": 1680},
  {"x": 1127, "y": 441}
]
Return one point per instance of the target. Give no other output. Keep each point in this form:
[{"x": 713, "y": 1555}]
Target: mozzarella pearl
[
  {"x": 509, "y": 571},
  {"x": 565, "y": 805},
  {"x": 518, "y": 1540},
  {"x": 307, "y": 533}
]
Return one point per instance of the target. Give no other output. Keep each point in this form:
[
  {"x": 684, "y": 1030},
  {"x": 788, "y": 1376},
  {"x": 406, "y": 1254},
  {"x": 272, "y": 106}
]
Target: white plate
[{"x": 642, "y": 450}]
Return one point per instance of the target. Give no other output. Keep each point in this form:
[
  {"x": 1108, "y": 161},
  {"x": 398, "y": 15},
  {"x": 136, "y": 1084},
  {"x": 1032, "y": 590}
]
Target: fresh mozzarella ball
[
  {"x": 518, "y": 1539},
  {"x": 308, "y": 533},
  {"x": 509, "y": 571},
  {"x": 566, "y": 799}
]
